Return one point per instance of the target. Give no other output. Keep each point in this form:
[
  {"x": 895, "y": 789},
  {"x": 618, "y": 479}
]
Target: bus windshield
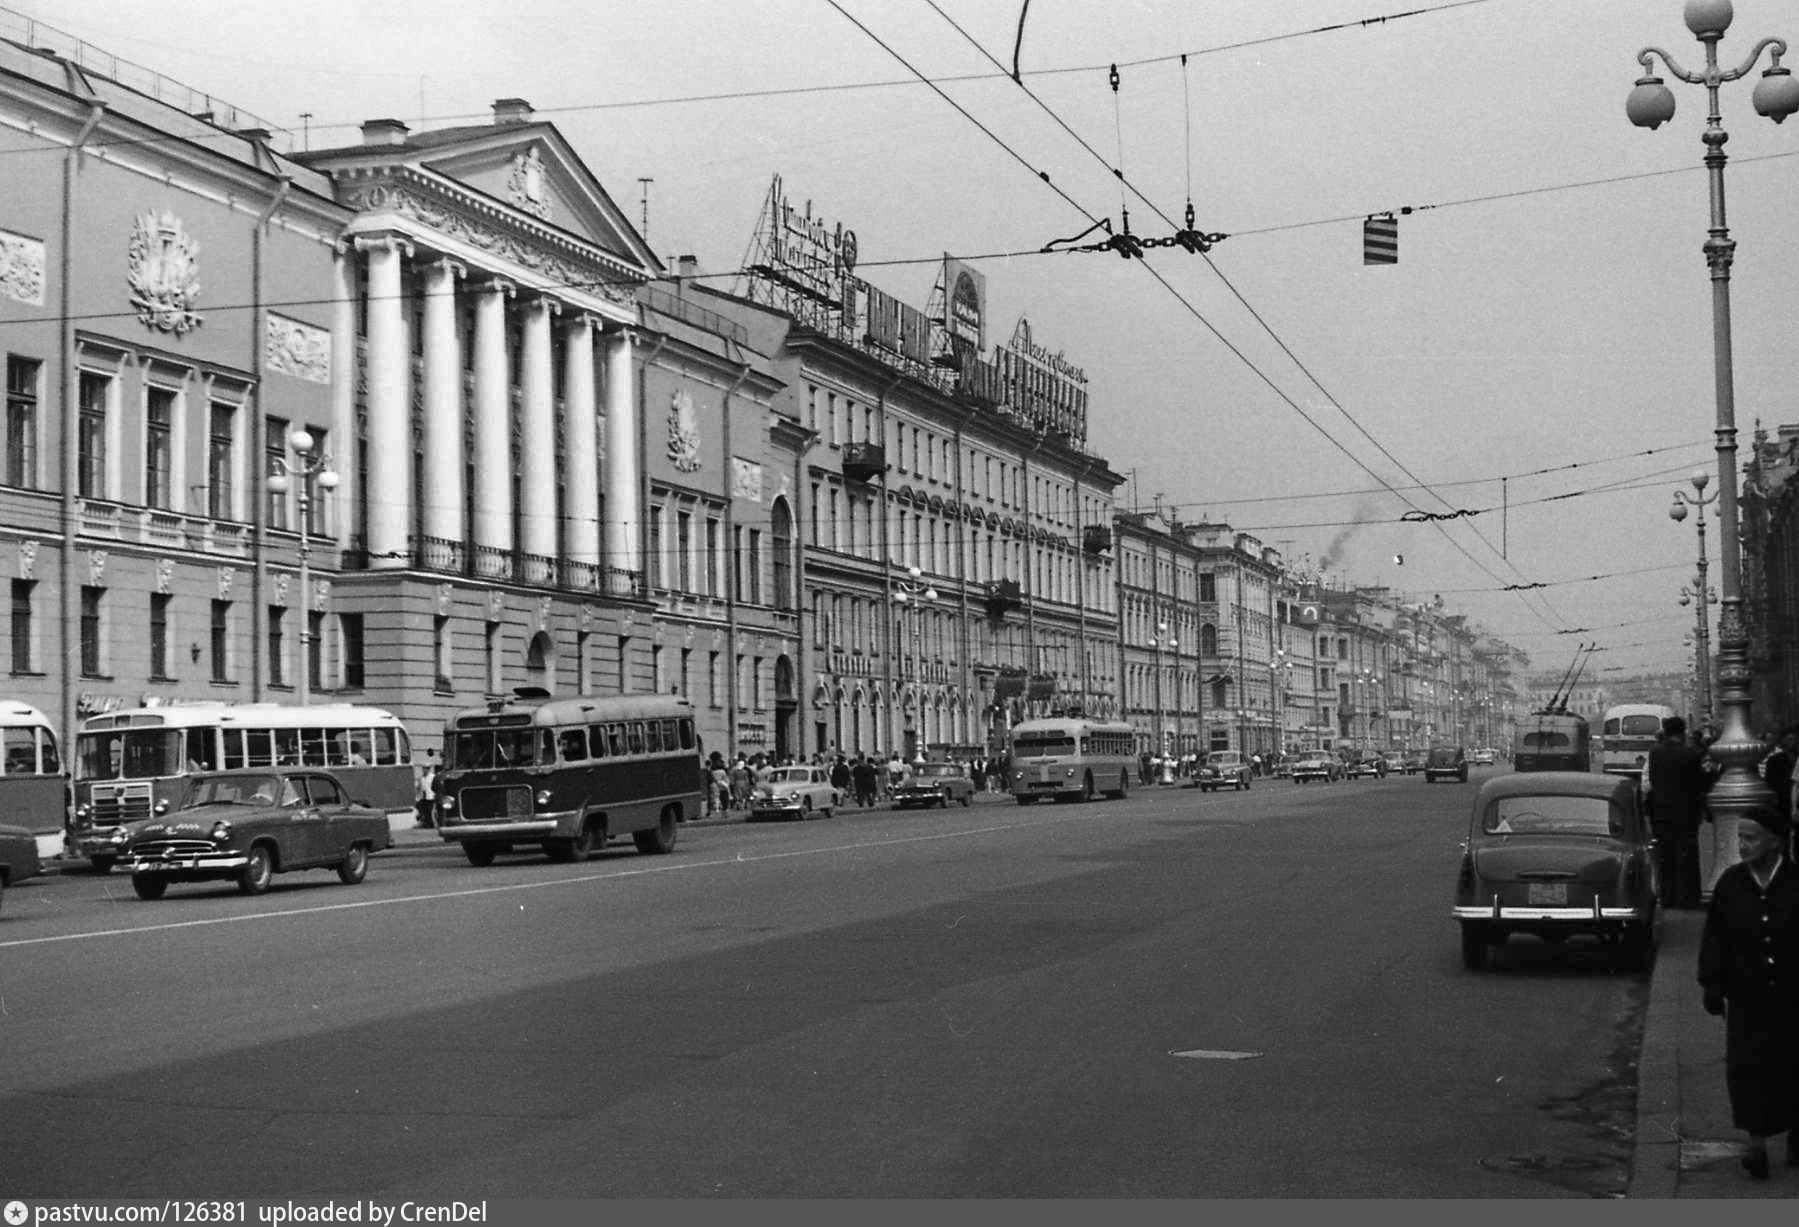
[
  {"x": 1638, "y": 726},
  {"x": 129, "y": 754},
  {"x": 1038, "y": 745},
  {"x": 483, "y": 749}
]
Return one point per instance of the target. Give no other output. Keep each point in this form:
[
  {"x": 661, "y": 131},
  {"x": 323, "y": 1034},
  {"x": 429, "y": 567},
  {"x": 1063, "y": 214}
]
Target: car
[
  {"x": 1394, "y": 762},
  {"x": 1365, "y": 765},
  {"x": 249, "y": 824},
  {"x": 934, "y": 784},
  {"x": 1484, "y": 757},
  {"x": 1555, "y": 854},
  {"x": 1414, "y": 760},
  {"x": 798, "y": 792},
  {"x": 1222, "y": 768},
  {"x": 1446, "y": 763},
  {"x": 18, "y": 856},
  {"x": 1317, "y": 766}
]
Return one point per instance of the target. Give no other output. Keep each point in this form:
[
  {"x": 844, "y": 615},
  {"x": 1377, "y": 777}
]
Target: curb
[{"x": 1655, "y": 1159}]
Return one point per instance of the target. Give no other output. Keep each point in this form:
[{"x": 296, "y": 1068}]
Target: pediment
[{"x": 531, "y": 168}]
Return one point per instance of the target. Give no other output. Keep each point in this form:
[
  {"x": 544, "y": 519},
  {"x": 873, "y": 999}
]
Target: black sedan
[{"x": 247, "y": 826}]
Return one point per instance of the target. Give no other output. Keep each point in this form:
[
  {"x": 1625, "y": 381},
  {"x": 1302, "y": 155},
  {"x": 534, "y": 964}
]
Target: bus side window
[
  {"x": 636, "y": 736},
  {"x": 686, "y": 734},
  {"x": 384, "y": 749},
  {"x": 259, "y": 747},
  {"x": 670, "y": 738},
  {"x": 546, "y": 747},
  {"x": 615, "y": 740},
  {"x": 337, "y": 748},
  {"x": 52, "y": 764},
  {"x": 596, "y": 740},
  {"x": 233, "y": 756},
  {"x": 287, "y": 747},
  {"x": 201, "y": 744},
  {"x": 312, "y": 747},
  {"x": 400, "y": 741},
  {"x": 572, "y": 745},
  {"x": 21, "y": 751},
  {"x": 652, "y": 737}
]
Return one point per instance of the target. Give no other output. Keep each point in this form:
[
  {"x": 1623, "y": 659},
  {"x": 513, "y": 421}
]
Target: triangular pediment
[{"x": 531, "y": 168}]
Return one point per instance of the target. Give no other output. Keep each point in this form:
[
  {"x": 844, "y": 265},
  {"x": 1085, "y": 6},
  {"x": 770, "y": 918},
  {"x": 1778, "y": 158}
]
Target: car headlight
[
  {"x": 221, "y": 830},
  {"x": 446, "y": 803},
  {"x": 543, "y": 798},
  {"x": 119, "y": 835}
]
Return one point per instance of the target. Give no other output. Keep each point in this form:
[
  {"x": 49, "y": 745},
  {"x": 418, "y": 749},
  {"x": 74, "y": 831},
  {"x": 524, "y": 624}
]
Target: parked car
[
  {"x": 1484, "y": 757},
  {"x": 248, "y": 825},
  {"x": 1224, "y": 769},
  {"x": 1319, "y": 766},
  {"x": 18, "y": 856},
  {"x": 1414, "y": 761},
  {"x": 794, "y": 792},
  {"x": 934, "y": 784},
  {"x": 1365, "y": 765},
  {"x": 1557, "y": 853},
  {"x": 1446, "y": 763}
]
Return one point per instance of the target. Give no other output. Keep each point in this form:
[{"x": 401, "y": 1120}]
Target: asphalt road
[{"x": 1231, "y": 995}]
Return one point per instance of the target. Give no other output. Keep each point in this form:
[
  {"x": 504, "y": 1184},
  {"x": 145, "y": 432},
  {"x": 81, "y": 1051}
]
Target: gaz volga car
[
  {"x": 1224, "y": 769},
  {"x": 18, "y": 856},
  {"x": 247, "y": 826},
  {"x": 1557, "y": 853},
  {"x": 1317, "y": 766},
  {"x": 793, "y": 792},
  {"x": 934, "y": 784}
]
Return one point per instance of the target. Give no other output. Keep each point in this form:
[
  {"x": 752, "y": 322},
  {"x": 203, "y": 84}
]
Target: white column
[
  {"x": 442, "y": 496},
  {"x": 622, "y": 487},
  {"x": 493, "y": 433},
  {"x": 537, "y": 442},
  {"x": 581, "y": 477},
  {"x": 343, "y": 400},
  {"x": 389, "y": 411}
]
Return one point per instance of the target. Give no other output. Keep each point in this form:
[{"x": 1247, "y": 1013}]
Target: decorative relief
[
  {"x": 746, "y": 479},
  {"x": 27, "y": 560},
  {"x": 163, "y": 271},
  {"x": 278, "y": 585},
  {"x": 683, "y": 432},
  {"x": 444, "y": 595},
  {"x": 543, "y": 613},
  {"x": 96, "y": 567},
  {"x": 21, "y": 268},
  {"x": 321, "y": 595},
  {"x": 408, "y": 203},
  {"x": 586, "y": 617},
  {"x": 496, "y": 606},
  {"x": 301, "y": 350},
  {"x": 226, "y": 574},
  {"x": 526, "y": 187}
]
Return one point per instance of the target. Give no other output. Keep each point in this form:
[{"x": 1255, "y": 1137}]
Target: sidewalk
[{"x": 1686, "y": 1146}]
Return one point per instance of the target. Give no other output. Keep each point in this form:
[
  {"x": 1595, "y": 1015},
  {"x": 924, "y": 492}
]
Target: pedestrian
[
  {"x": 740, "y": 782},
  {"x": 840, "y": 776},
  {"x": 1677, "y": 784},
  {"x": 721, "y": 787},
  {"x": 865, "y": 778},
  {"x": 424, "y": 796},
  {"x": 1777, "y": 769},
  {"x": 1749, "y": 973}
]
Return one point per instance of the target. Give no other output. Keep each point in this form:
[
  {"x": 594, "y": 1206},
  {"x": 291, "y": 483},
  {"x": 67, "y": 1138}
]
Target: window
[
  {"x": 159, "y": 446},
  {"x": 221, "y": 641},
  {"x": 91, "y": 631},
  {"x": 782, "y": 545},
  {"x": 159, "y": 634},
  {"x": 755, "y": 566},
  {"x": 221, "y": 451},
  {"x": 712, "y": 691},
  {"x": 22, "y": 632},
  {"x": 656, "y": 570},
  {"x": 349, "y": 626},
  {"x": 277, "y": 646},
  {"x": 314, "y": 648},
  {"x": 685, "y": 682},
  {"x": 714, "y": 562},
  {"x": 656, "y": 678},
  {"x": 275, "y": 446},
  {"x": 90, "y": 435},
  {"x": 684, "y": 551},
  {"x": 440, "y": 652},
  {"x": 1208, "y": 586},
  {"x": 22, "y": 376}
]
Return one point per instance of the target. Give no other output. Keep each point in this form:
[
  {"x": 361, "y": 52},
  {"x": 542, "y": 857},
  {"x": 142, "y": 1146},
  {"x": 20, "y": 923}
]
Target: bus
[
  {"x": 1629, "y": 732},
  {"x": 1071, "y": 756},
  {"x": 1553, "y": 740},
  {"x": 34, "y": 787},
  {"x": 138, "y": 763},
  {"x": 566, "y": 775}
]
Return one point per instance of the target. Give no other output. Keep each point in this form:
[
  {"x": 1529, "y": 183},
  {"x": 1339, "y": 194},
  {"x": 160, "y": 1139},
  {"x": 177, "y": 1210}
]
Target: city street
[{"x": 1249, "y": 994}]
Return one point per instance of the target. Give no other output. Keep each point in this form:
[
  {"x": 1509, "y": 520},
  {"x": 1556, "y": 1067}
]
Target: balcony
[
  {"x": 443, "y": 556},
  {"x": 1002, "y": 597},
  {"x": 1096, "y": 538},
  {"x": 864, "y": 461}
]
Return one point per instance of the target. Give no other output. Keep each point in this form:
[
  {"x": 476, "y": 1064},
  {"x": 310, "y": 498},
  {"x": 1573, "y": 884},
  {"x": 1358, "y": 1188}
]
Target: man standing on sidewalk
[
  {"x": 1678, "y": 783},
  {"x": 1749, "y": 972}
]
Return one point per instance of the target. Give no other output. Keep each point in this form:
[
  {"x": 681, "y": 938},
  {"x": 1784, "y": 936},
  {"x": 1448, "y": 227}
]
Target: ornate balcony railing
[{"x": 444, "y": 556}]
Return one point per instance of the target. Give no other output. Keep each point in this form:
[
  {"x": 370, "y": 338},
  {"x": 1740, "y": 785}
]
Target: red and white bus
[
  {"x": 34, "y": 787},
  {"x": 134, "y": 764},
  {"x": 566, "y": 775}
]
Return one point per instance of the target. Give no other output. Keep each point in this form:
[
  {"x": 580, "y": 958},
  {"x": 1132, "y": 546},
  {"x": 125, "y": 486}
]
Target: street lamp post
[
  {"x": 309, "y": 469},
  {"x": 1701, "y": 593},
  {"x": 1739, "y": 789},
  {"x": 912, "y": 593},
  {"x": 1160, "y": 640}
]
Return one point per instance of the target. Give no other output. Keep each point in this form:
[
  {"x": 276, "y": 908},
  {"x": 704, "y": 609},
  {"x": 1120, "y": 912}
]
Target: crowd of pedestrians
[{"x": 864, "y": 779}]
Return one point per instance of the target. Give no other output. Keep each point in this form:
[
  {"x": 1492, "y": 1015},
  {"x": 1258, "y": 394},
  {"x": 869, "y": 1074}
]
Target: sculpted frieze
[
  {"x": 297, "y": 349},
  {"x": 21, "y": 268},
  {"x": 458, "y": 225}
]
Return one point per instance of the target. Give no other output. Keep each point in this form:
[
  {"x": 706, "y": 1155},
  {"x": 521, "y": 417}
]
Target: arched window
[
  {"x": 1208, "y": 640},
  {"x": 782, "y": 534},
  {"x": 540, "y": 659}
]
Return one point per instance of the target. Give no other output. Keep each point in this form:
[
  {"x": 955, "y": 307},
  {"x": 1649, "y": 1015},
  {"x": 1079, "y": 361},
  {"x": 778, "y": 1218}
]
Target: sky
[{"x": 1548, "y": 323}]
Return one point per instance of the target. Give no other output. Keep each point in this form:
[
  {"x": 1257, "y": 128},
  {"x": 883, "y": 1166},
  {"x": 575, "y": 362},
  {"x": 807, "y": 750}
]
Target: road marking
[
  {"x": 1214, "y": 1054},
  {"x": 540, "y": 884}
]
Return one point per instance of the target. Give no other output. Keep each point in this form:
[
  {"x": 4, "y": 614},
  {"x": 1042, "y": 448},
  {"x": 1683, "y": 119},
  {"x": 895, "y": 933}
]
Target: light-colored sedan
[
  {"x": 793, "y": 793},
  {"x": 934, "y": 784},
  {"x": 1317, "y": 767}
]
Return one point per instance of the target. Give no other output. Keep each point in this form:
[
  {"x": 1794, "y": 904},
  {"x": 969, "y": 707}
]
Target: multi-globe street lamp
[
  {"x": 913, "y": 593},
  {"x": 1702, "y": 593},
  {"x": 1739, "y": 789},
  {"x": 1165, "y": 639},
  {"x": 301, "y": 476}
]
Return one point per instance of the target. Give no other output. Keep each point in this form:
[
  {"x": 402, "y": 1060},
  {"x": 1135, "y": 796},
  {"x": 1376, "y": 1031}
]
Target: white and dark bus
[
  {"x": 1629, "y": 732},
  {"x": 1071, "y": 757}
]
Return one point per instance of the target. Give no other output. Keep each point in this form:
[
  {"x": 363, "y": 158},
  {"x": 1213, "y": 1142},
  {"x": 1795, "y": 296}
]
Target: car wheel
[
  {"x": 805, "y": 808},
  {"x": 354, "y": 867},
  {"x": 943, "y": 800},
  {"x": 573, "y": 850},
  {"x": 257, "y": 872},
  {"x": 1087, "y": 793},
  {"x": 149, "y": 885},
  {"x": 479, "y": 855},
  {"x": 659, "y": 838},
  {"x": 1475, "y": 945}
]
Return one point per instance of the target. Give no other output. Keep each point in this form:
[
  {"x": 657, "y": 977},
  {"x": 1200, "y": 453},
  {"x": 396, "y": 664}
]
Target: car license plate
[{"x": 1546, "y": 894}]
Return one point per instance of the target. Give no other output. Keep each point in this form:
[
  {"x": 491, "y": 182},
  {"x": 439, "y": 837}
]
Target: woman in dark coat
[{"x": 1749, "y": 971}]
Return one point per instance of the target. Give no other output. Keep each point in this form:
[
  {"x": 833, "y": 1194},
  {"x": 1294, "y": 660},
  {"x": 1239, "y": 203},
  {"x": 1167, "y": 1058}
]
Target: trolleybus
[
  {"x": 566, "y": 775},
  {"x": 34, "y": 787},
  {"x": 1071, "y": 756},
  {"x": 134, "y": 764}
]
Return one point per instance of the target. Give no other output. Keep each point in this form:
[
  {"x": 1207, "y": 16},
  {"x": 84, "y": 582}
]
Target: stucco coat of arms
[
  {"x": 683, "y": 433},
  {"x": 526, "y": 185},
  {"x": 163, "y": 271}
]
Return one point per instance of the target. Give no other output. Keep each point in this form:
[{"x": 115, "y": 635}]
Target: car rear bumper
[{"x": 1596, "y": 914}]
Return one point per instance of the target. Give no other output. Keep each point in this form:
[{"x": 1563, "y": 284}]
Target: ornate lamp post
[
  {"x": 1160, "y": 640},
  {"x": 912, "y": 593},
  {"x": 310, "y": 470},
  {"x": 1739, "y": 789},
  {"x": 1703, "y": 595}
]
